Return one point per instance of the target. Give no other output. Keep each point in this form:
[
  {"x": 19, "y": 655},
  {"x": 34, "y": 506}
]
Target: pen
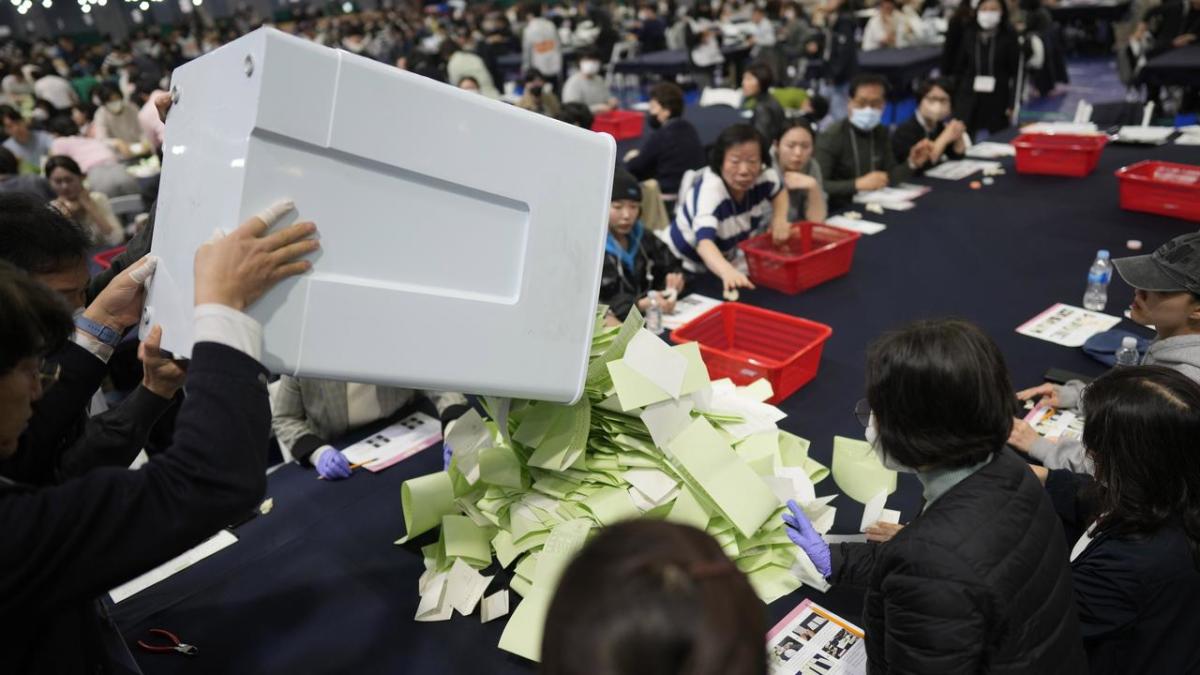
[{"x": 359, "y": 465}]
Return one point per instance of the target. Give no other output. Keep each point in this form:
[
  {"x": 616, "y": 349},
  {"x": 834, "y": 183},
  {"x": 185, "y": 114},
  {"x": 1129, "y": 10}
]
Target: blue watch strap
[{"x": 103, "y": 333}]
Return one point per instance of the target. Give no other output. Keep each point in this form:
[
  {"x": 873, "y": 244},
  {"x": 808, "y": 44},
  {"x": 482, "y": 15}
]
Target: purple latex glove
[
  {"x": 447, "y": 453},
  {"x": 332, "y": 465},
  {"x": 802, "y": 534}
]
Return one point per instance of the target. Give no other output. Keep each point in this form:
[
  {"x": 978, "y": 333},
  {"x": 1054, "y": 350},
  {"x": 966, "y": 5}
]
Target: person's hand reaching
[
  {"x": 1046, "y": 394},
  {"x": 119, "y": 305},
  {"x": 162, "y": 376},
  {"x": 1022, "y": 436},
  {"x": 236, "y": 269},
  {"x": 800, "y": 530}
]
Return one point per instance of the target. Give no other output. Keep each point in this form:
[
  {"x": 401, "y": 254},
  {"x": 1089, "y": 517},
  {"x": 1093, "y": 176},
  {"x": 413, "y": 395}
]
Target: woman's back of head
[
  {"x": 654, "y": 598},
  {"x": 940, "y": 394},
  {"x": 1142, "y": 429}
]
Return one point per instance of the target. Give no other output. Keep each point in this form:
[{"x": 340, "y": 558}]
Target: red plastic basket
[
  {"x": 104, "y": 258},
  {"x": 745, "y": 343},
  {"x": 815, "y": 254},
  {"x": 621, "y": 124},
  {"x": 1165, "y": 188},
  {"x": 1058, "y": 154}
]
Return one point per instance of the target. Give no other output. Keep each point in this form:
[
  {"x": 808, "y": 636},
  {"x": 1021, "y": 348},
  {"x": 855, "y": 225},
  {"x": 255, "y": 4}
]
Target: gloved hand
[
  {"x": 332, "y": 464},
  {"x": 802, "y": 534},
  {"x": 447, "y": 453}
]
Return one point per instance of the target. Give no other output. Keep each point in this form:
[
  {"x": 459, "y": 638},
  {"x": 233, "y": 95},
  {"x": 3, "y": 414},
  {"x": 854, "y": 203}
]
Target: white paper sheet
[
  {"x": 465, "y": 587},
  {"x": 991, "y": 150},
  {"x": 687, "y": 308},
  {"x": 433, "y": 605},
  {"x": 856, "y": 225},
  {"x": 654, "y": 360},
  {"x": 217, "y": 542},
  {"x": 666, "y": 420},
  {"x": 395, "y": 443},
  {"x": 958, "y": 169},
  {"x": 494, "y": 606},
  {"x": 1067, "y": 325}
]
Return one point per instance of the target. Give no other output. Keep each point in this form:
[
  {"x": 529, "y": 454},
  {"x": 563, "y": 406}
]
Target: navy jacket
[
  {"x": 667, "y": 154},
  {"x": 66, "y": 544},
  {"x": 1138, "y": 597}
]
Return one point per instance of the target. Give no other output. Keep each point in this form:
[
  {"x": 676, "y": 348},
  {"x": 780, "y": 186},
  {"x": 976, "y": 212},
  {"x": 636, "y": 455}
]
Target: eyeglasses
[{"x": 862, "y": 412}]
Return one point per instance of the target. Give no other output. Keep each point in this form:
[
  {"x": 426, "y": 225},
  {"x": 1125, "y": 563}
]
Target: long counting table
[{"x": 317, "y": 586}]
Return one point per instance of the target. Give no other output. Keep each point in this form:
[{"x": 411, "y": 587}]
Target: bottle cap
[
  {"x": 1129, "y": 342},
  {"x": 1102, "y": 254}
]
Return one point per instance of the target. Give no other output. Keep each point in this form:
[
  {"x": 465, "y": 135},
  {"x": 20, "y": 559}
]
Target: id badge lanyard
[{"x": 857, "y": 159}]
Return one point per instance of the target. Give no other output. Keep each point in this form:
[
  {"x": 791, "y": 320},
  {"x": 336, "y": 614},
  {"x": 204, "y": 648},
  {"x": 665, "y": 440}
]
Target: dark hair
[
  {"x": 104, "y": 89},
  {"x": 9, "y": 113},
  {"x": 62, "y": 125},
  {"x": 468, "y": 77},
  {"x": 1005, "y": 23},
  {"x": 820, "y": 108},
  {"x": 940, "y": 393},
  {"x": 34, "y": 320},
  {"x": 763, "y": 73},
  {"x": 36, "y": 237},
  {"x": 1141, "y": 426},
  {"x": 669, "y": 96},
  {"x": 648, "y": 596},
  {"x": 532, "y": 75},
  {"x": 62, "y": 162},
  {"x": 589, "y": 53},
  {"x": 576, "y": 113},
  {"x": 736, "y": 135},
  {"x": 796, "y": 123},
  {"x": 9, "y": 166},
  {"x": 929, "y": 85},
  {"x": 868, "y": 80}
]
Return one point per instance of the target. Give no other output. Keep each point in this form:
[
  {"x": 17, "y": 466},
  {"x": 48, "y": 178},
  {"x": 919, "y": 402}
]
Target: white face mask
[
  {"x": 114, "y": 107},
  {"x": 872, "y": 436},
  {"x": 988, "y": 18},
  {"x": 935, "y": 112},
  {"x": 589, "y": 67}
]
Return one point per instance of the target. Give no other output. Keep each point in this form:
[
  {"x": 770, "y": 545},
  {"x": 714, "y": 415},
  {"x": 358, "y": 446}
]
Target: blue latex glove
[
  {"x": 447, "y": 453},
  {"x": 802, "y": 534},
  {"x": 333, "y": 465}
]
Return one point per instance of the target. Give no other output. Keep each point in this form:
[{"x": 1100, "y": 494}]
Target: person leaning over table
[
  {"x": 801, "y": 173},
  {"x": 1166, "y": 296},
  {"x": 67, "y": 544},
  {"x": 635, "y": 261},
  {"x": 978, "y": 582},
  {"x": 308, "y": 413},
  {"x": 855, "y": 153},
  {"x": 948, "y": 139},
  {"x": 648, "y": 596},
  {"x": 673, "y": 146},
  {"x": 1136, "y": 565},
  {"x": 726, "y": 203}
]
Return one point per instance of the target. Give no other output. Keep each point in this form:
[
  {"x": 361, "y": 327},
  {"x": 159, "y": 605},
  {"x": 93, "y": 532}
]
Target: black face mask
[
  {"x": 653, "y": 121},
  {"x": 535, "y": 92}
]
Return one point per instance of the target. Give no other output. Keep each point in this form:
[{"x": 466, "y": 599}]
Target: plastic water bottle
[
  {"x": 1127, "y": 355},
  {"x": 654, "y": 314},
  {"x": 1096, "y": 297}
]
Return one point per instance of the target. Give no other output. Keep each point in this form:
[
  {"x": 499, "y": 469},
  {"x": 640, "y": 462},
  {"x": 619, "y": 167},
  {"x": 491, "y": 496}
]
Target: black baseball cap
[
  {"x": 1174, "y": 267},
  {"x": 625, "y": 186}
]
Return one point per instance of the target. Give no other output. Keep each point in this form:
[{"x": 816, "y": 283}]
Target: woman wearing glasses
[
  {"x": 727, "y": 202},
  {"x": 979, "y": 581}
]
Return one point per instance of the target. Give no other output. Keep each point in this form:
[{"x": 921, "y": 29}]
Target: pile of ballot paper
[{"x": 652, "y": 437}]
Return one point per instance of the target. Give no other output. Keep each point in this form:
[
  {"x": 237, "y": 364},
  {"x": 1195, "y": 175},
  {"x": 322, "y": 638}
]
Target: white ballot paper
[
  {"x": 434, "y": 273},
  {"x": 217, "y": 542},
  {"x": 811, "y": 640},
  {"x": 1067, "y": 325},
  {"x": 874, "y": 512},
  {"x": 991, "y": 150},
  {"x": 957, "y": 169},
  {"x": 856, "y": 225},
  {"x": 395, "y": 443},
  {"x": 687, "y": 308}
]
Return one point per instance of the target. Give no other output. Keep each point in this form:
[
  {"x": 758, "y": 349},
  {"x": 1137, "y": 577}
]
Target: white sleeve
[{"x": 227, "y": 326}]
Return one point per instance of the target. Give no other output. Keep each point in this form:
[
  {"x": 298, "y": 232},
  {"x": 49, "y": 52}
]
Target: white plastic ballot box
[{"x": 461, "y": 238}]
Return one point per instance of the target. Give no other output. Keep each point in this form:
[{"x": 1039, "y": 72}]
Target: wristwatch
[{"x": 105, "y": 334}]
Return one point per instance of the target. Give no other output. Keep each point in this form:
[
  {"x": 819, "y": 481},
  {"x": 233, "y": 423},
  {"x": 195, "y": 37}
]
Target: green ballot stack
[{"x": 652, "y": 437}]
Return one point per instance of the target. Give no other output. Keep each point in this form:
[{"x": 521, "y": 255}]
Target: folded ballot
[{"x": 462, "y": 238}]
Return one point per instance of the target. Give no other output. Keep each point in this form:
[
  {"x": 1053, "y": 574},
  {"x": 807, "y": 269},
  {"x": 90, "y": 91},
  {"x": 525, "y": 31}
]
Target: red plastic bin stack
[
  {"x": 815, "y": 254},
  {"x": 746, "y": 343},
  {"x": 620, "y": 124},
  {"x": 1165, "y": 188},
  {"x": 104, "y": 259},
  {"x": 1058, "y": 154}
]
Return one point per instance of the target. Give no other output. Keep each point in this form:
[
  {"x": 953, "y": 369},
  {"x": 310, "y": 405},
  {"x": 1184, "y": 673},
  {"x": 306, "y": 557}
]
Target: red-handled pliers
[{"x": 175, "y": 646}]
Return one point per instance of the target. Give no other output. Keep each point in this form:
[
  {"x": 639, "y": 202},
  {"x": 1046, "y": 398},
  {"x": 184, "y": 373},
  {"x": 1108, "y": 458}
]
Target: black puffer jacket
[
  {"x": 978, "y": 583},
  {"x": 621, "y": 289}
]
